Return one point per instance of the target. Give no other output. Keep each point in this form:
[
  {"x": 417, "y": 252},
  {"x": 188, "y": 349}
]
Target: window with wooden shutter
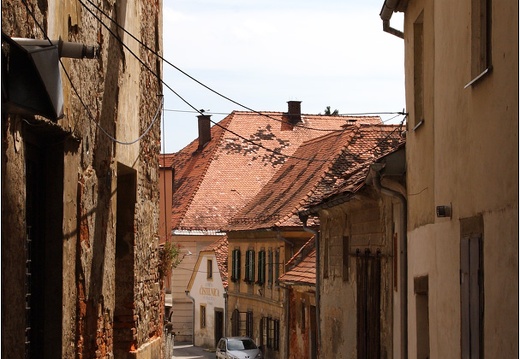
[
  {"x": 270, "y": 267},
  {"x": 480, "y": 39},
  {"x": 209, "y": 269},
  {"x": 261, "y": 267},
  {"x": 471, "y": 296},
  {"x": 235, "y": 323},
  {"x": 203, "y": 316},
  {"x": 250, "y": 266},
  {"x": 249, "y": 324},
  {"x": 235, "y": 269},
  {"x": 277, "y": 265}
]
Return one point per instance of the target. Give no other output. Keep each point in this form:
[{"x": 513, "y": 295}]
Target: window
[
  {"x": 270, "y": 267},
  {"x": 235, "y": 270},
  {"x": 422, "y": 318},
  {"x": 203, "y": 316},
  {"x": 418, "y": 71},
  {"x": 326, "y": 258},
  {"x": 250, "y": 266},
  {"x": 303, "y": 316},
  {"x": 277, "y": 265},
  {"x": 261, "y": 267},
  {"x": 249, "y": 324},
  {"x": 472, "y": 295},
  {"x": 346, "y": 241},
  {"x": 480, "y": 39},
  {"x": 235, "y": 323},
  {"x": 270, "y": 333},
  {"x": 209, "y": 271}
]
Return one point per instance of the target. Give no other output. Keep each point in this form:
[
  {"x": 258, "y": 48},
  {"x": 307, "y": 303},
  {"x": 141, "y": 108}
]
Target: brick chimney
[
  {"x": 204, "y": 130},
  {"x": 295, "y": 112}
]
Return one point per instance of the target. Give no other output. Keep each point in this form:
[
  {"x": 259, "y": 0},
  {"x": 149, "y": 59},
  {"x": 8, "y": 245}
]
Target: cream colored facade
[
  {"x": 462, "y": 153},
  {"x": 209, "y": 299},
  {"x": 183, "y": 308}
]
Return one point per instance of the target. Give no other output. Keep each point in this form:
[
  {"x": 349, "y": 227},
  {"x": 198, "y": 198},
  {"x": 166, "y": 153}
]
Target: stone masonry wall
[{"x": 98, "y": 125}]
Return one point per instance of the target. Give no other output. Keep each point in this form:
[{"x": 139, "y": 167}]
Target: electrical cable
[
  {"x": 158, "y": 77},
  {"x": 211, "y": 89},
  {"x": 198, "y": 111},
  {"x": 185, "y": 101}
]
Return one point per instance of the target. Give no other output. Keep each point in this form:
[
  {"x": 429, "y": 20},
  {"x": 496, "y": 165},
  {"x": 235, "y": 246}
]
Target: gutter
[
  {"x": 303, "y": 218},
  {"x": 403, "y": 245},
  {"x": 225, "y": 313},
  {"x": 389, "y": 7}
]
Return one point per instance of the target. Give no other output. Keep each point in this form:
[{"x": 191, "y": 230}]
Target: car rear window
[{"x": 241, "y": 344}]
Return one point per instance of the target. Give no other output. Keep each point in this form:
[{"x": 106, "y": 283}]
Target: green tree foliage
[{"x": 333, "y": 113}]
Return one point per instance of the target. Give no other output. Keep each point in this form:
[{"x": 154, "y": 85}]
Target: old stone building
[
  {"x": 360, "y": 281},
  {"x": 80, "y": 145}
]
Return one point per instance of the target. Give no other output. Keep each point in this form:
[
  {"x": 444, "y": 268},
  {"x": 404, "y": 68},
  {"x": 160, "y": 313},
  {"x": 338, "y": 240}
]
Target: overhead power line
[{"x": 154, "y": 52}]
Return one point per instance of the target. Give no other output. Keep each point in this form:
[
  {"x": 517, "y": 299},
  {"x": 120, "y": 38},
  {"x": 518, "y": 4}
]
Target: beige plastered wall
[{"x": 471, "y": 135}]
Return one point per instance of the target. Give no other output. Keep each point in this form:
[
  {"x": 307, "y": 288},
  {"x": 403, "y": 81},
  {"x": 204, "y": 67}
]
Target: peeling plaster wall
[
  {"x": 117, "y": 96},
  {"x": 367, "y": 222}
]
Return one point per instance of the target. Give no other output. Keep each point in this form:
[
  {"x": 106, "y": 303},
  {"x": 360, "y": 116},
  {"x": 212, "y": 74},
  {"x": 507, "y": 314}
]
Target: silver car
[{"x": 238, "y": 348}]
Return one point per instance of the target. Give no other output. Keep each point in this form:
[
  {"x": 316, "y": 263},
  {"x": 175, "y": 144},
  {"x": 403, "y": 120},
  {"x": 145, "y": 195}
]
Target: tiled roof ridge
[
  {"x": 248, "y": 112},
  {"x": 211, "y": 156}
]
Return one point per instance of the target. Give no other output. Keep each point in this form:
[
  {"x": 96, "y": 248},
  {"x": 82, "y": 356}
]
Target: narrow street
[{"x": 188, "y": 351}]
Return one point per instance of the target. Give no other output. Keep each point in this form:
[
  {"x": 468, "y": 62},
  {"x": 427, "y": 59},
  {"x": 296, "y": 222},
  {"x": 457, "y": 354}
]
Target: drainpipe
[
  {"x": 287, "y": 305},
  {"x": 282, "y": 238},
  {"x": 192, "y": 317},
  {"x": 389, "y": 7},
  {"x": 225, "y": 313},
  {"x": 403, "y": 244},
  {"x": 303, "y": 219}
]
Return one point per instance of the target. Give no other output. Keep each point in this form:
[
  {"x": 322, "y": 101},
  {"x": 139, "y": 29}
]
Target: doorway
[
  {"x": 43, "y": 246},
  {"x": 219, "y": 324},
  {"x": 368, "y": 272}
]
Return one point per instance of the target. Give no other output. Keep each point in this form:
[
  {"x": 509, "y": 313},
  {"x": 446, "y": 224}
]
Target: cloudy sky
[{"x": 261, "y": 54}]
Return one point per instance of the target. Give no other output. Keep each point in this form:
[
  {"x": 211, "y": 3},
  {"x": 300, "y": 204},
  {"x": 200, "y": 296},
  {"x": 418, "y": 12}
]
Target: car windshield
[{"x": 241, "y": 344}]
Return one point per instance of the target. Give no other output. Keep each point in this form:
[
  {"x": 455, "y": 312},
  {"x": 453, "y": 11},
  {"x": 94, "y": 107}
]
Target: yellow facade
[
  {"x": 461, "y": 66},
  {"x": 265, "y": 302}
]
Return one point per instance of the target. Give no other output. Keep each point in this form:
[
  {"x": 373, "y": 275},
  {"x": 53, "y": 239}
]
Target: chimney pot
[
  {"x": 204, "y": 130},
  {"x": 295, "y": 112}
]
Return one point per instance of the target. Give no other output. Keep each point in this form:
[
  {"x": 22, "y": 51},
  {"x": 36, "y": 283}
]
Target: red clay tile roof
[
  {"x": 340, "y": 164},
  {"x": 212, "y": 184},
  {"x": 220, "y": 248},
  {"x": 302, "y": 266}
]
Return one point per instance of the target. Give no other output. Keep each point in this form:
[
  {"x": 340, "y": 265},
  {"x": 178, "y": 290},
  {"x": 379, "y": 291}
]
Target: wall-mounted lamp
[{"x": 444, "y": 211}]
